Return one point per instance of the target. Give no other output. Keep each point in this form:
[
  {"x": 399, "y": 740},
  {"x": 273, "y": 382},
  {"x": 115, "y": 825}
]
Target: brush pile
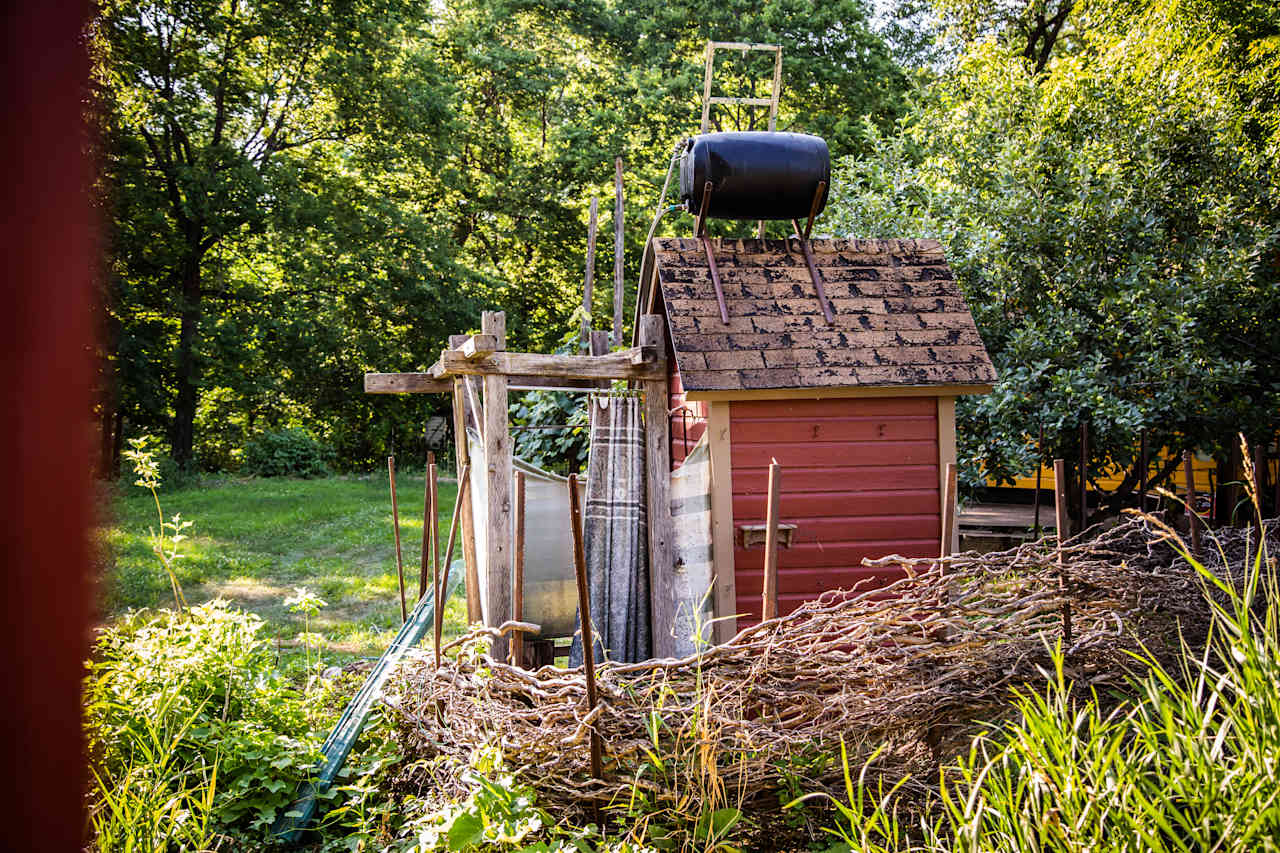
[{"x": 901, "y": 674}]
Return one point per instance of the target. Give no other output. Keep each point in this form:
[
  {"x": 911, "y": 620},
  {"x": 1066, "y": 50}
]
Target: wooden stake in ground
[
  {"x": 395, "y": 522},
  {"x": 590, "y": 274},
  {"x": 584, "y": 612},
  {"x": 1084, "y": 476},
  {"x": 1192, "y": 519},
  {"x": 619, "y": 221},
  {"x": 769, "y": 598},
  {"x": 463, "y": 479},
  {"x": 428, "y": 529},
  {"x": 435, "y": 535},
  {"x": 1035, "y": 524},
  {"x": 517, "y": 582},
  {"x": 948, "y": 511},
  {"x": 1142, "y": 477},
  {"x": 1060, "y": 508},
  {"x": 430, "y": 552}
]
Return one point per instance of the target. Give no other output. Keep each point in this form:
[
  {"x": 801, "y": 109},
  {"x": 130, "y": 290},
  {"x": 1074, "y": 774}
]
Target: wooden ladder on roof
[{"x": 743, "y": 47}]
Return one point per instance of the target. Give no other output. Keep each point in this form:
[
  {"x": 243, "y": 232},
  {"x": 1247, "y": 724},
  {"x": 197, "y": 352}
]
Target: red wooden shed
[{"x": 859, "y": 411}]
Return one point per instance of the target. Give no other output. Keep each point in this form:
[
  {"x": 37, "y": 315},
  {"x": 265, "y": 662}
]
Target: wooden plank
[
  {"x": 497, "y": 444},
  {"x": 478, "y": 346},
  {"x": 590, "y": 273},
  {"x": 461, "y": 418},
  {"x": 640, "y": 363},
  {"x": 947, "y": 545},
  {"x": 472, "y": 576},
  {"x": 662, "y": 585},
  {"x": 406, "y": 383},
  {"x": 724, "y": 599},
  {"x": 713, "y": 395},
  {"x": 769, "y": 595},
  {"x": 619, "y": 224},
  {"x": 1060, "y": 502},
  {"x": 946, "y": 457}
]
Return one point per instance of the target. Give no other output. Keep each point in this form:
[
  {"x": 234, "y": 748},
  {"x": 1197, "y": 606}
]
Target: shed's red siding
[
  {"x": 688, "y": 417},
  {"x": 859, "y": 479}
]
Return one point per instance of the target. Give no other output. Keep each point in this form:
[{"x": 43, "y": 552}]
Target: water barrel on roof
[{"x": 755, "y": 174}]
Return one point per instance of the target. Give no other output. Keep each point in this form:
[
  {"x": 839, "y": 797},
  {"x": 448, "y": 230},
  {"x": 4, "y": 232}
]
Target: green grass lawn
[{"x": 254, "y": 540}]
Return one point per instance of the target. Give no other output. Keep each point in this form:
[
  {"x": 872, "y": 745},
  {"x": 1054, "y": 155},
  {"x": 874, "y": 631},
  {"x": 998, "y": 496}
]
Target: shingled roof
[{"x": 899, "y": 318}]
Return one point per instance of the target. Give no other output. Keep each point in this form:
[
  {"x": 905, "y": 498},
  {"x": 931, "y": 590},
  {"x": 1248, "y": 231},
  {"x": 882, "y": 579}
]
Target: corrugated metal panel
[{"x": 859, "y": 479}]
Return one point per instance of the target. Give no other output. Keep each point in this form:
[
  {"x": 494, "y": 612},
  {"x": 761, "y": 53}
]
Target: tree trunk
[{"x": 182, "y": 432}]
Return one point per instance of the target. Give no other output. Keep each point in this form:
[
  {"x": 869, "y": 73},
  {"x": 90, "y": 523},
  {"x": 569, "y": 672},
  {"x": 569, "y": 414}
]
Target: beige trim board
[
  {"x": 939, "y": 391},
  {"x": 947, "y": 454},
  {"x": 725, "y": 599}
]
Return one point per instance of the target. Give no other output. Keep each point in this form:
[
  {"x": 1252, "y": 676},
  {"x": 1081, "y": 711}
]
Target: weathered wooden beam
[
  {"x": 641, "y": 363},
  {"x": 662, "y": 560},
  {"x": 478, "y": 346},
  {"x": 472, "y": 576},
  {"x": 406, "y": 383},
  {"x": 425, "y": 383},
  {"x": 497, "y": 452}
]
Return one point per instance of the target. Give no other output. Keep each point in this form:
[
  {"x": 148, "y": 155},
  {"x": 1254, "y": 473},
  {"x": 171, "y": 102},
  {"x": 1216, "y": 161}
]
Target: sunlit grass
[{"x": 255, "y": 540}]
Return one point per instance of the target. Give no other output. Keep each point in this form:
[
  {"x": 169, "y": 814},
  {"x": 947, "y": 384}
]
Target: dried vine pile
[{"x": 906, "y": 669}]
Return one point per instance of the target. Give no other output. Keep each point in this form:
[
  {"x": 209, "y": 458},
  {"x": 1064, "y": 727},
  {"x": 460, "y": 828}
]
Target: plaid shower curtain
[{"x": 616, "y": 534}]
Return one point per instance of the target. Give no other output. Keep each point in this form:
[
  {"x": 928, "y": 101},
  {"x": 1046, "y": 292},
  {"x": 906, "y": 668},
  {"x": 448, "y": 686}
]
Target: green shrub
[
  {"x": 290, "y": 452},
  {"x": 205, "y": 681}
]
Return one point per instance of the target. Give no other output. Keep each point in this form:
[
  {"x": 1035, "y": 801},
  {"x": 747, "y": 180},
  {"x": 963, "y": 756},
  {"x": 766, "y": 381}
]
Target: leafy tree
[
  {"x": 1112, "y": 231},
  {"x": 216, "y": 115}
]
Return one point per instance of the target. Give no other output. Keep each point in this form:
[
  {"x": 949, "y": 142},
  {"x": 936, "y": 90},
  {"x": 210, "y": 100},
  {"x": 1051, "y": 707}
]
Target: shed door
[{"x": 859, "y": 479}]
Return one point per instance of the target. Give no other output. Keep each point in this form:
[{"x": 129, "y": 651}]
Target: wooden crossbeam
[
  {"x": 425, "y": 383},
  {"x": 634, "y": 363}
]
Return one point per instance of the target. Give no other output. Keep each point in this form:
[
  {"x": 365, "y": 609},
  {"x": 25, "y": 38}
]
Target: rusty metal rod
[
  {"x": 395, "y": 523},
  {"x": 823, "y": 301}
]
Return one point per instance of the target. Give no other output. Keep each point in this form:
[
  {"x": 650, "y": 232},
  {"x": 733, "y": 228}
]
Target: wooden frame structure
[{"x": 483, "y": 359}]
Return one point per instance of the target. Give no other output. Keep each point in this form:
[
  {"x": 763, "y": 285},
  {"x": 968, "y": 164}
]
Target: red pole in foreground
[{"x": 769, "y": 598}]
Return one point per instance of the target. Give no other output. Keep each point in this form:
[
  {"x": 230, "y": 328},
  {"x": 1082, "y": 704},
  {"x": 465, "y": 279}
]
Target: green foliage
[
  {"x": 1113, "y": 228},
  {"x": 287, "y": 453},
  {"x": 298, "y": 194},
  {"x": 171, "y": 696}
]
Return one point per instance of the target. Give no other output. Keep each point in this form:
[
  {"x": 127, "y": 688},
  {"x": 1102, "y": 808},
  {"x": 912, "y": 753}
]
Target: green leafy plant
[
  {"x": 166, "y": 542},
  {"x": 309, "y": 605},
  {"x": 200, "y": 690},
  {"x": 291, "y": 452}
]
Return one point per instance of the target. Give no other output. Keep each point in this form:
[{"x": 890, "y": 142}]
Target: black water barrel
[{"x": 755, "y": 174}]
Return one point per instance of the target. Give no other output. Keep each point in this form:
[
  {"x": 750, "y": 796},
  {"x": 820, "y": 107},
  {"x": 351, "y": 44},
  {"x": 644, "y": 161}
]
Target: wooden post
[
  {"x": 1259, "y": 461},
  {"x": 517, "y": 594},
  {"x": 1084, "y": 476},
  {"x": 619, "y": 223},
  {"x": 1035, "y": 523},
  {"x": 589, "y": 276},
  {"x": 662, "y": 563},
  {"x": 463, "y": 479},
  {"x": 1060, "y": 508},
  {"x": 948, "y": 511},
  {"x": 462, "y": 415},
  {"x": 1142, "y": 476},
  {"x": 769, "y": 598},
  {"x": 432, "y": 518},
  {"x": 428, "y": 529},
  {"x": 584, "y": 611},
  {"x": 497, "y": 453},
  {"x": 1060, "y": 500},
  {"x": 395, "y": 522},
  {"x": 1193, "y": 520}
]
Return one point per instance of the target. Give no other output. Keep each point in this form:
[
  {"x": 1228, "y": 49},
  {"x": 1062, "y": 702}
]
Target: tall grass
[{"x": 1187, "y": 760}]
